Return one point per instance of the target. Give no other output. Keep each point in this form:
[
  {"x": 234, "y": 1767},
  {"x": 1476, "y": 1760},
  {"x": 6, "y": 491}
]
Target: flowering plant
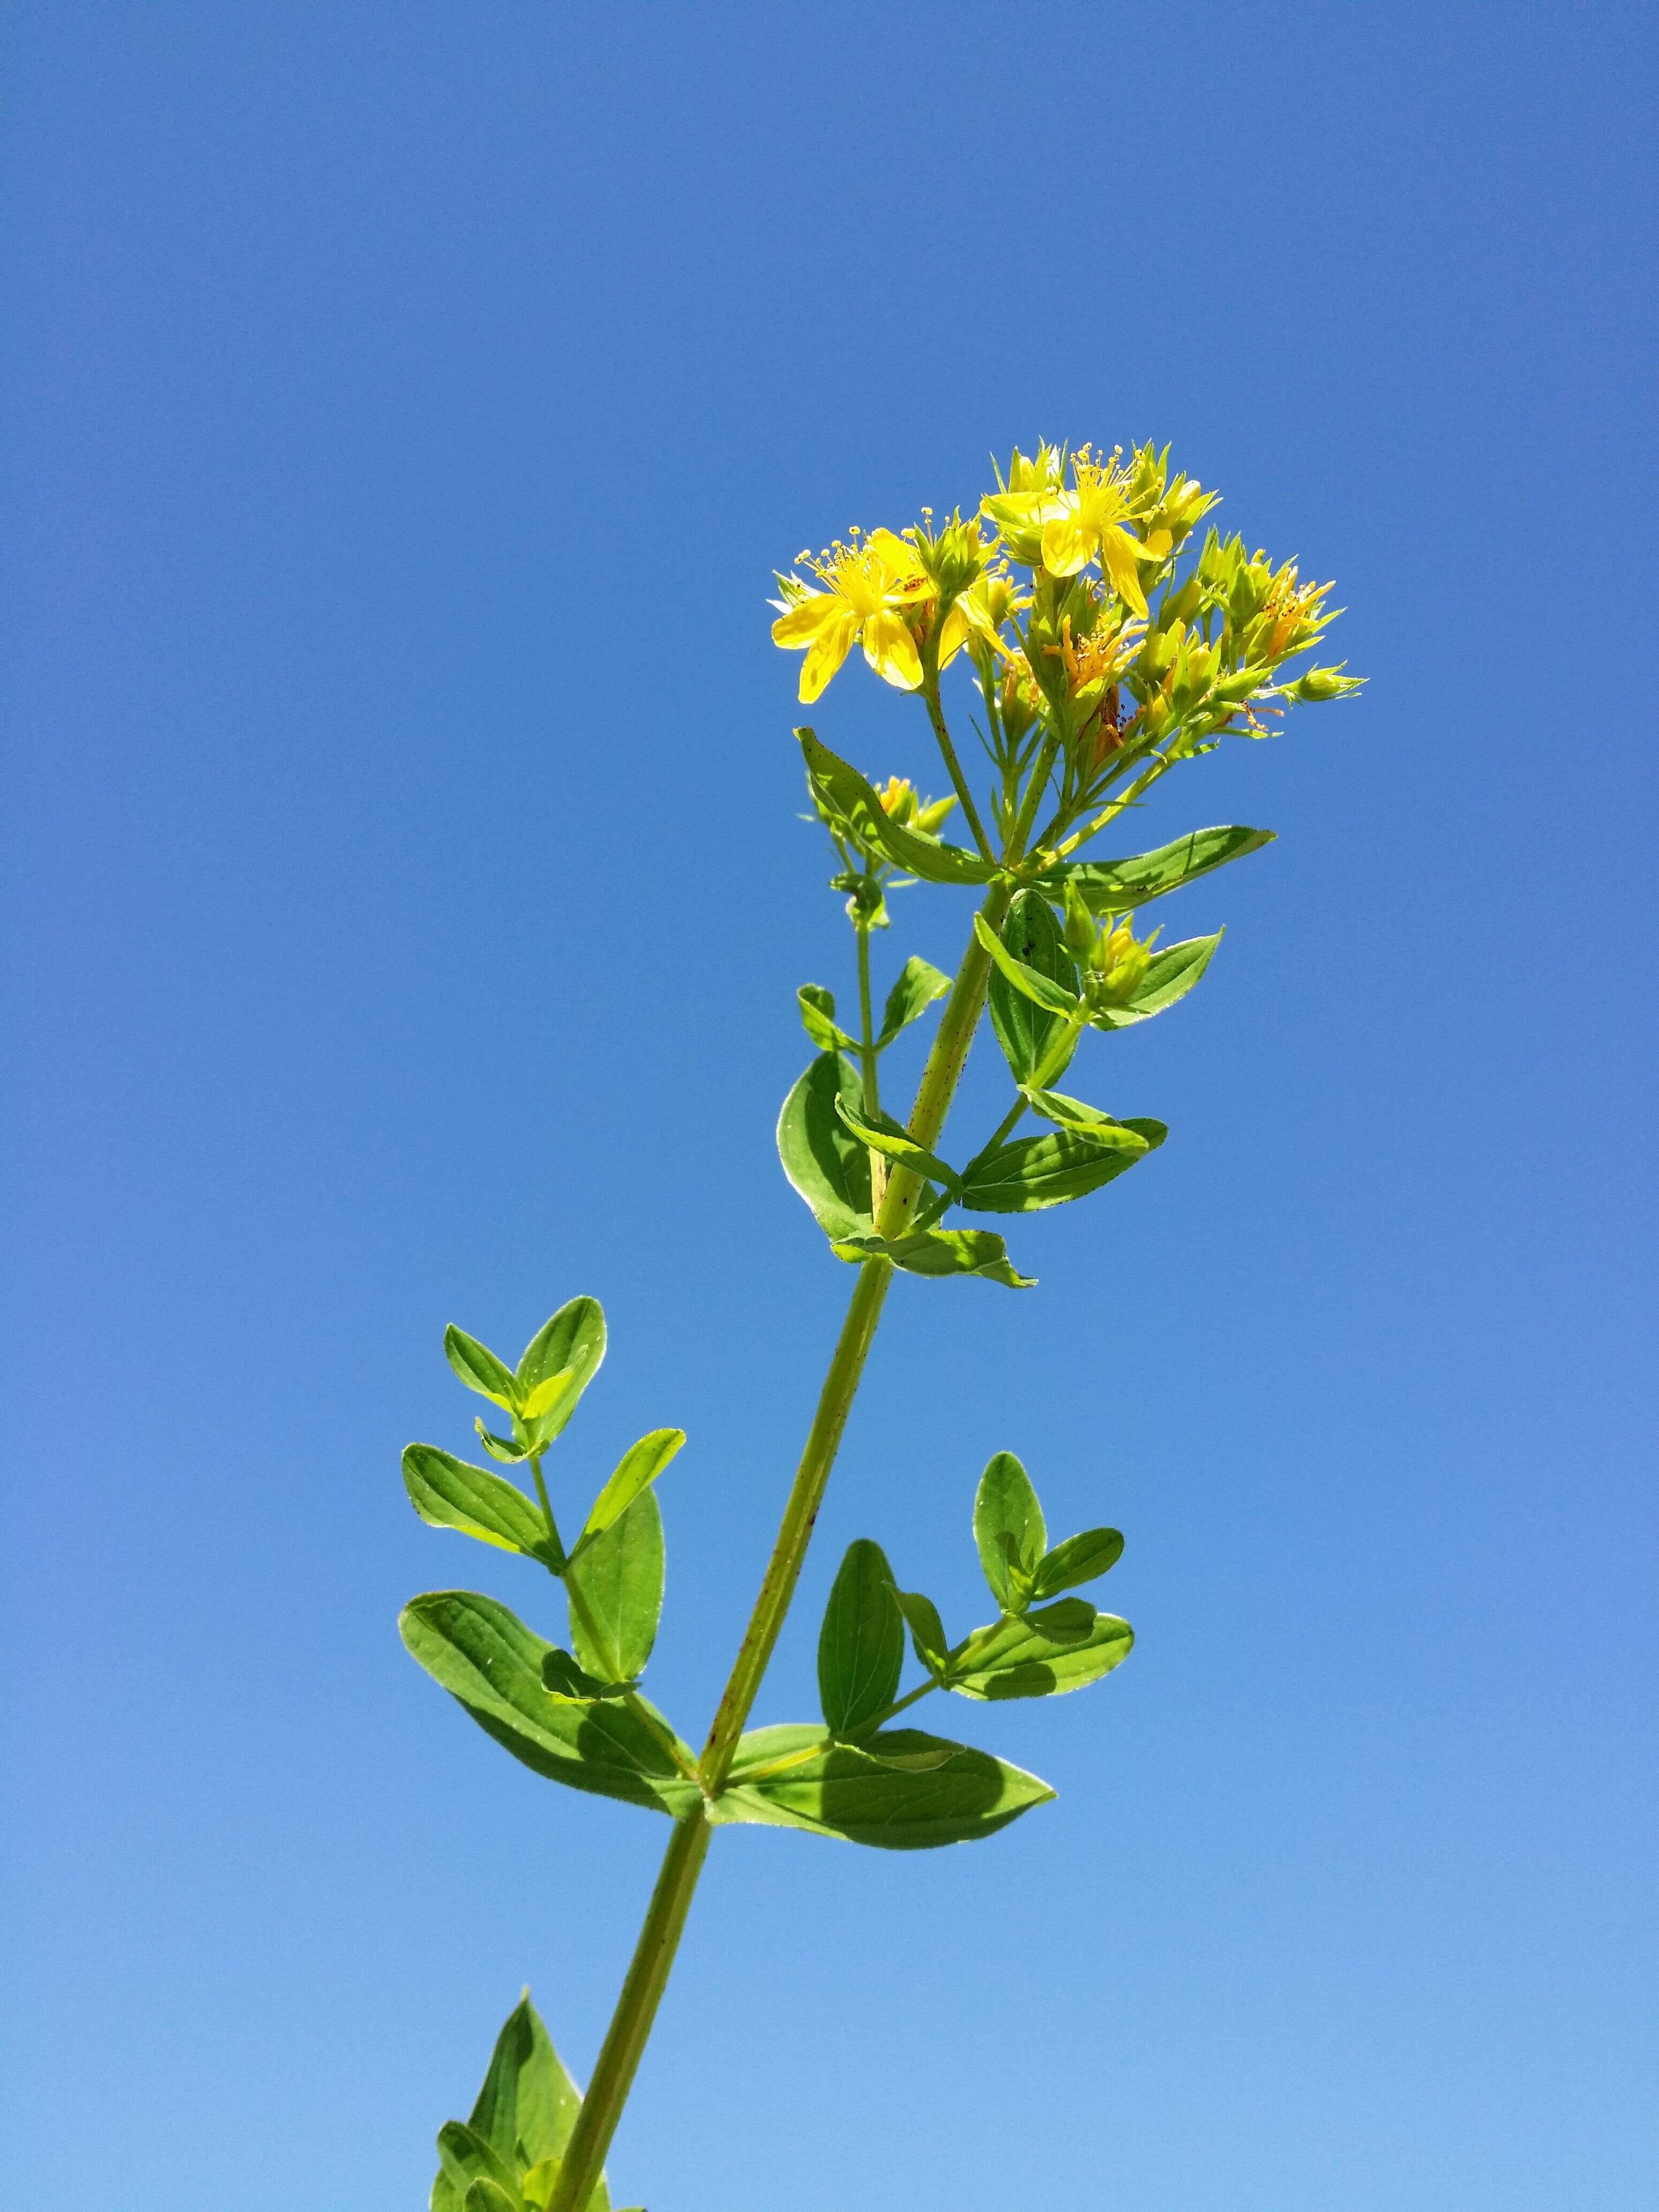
[{"x": 1105, "y": 652}]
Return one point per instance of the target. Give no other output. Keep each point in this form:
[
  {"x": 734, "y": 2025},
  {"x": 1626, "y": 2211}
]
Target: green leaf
[
  {"x": 939, "y": 1252},
  {"x": 487, "y": 2195},
  {"x": 465, "y": 2155},
  {"x": 1169, "y": 975},
  {"x": 1029, "y": 982},
  {"x": 565, "y": 1679},
  {"x": 827, "y": 1164},
  {"x": 1078, "y": 1114},
  {"x": 817, "y": 1018},
  {"x": 885, "y": 1135},
  {"x": 451, "y": 1494},
  {"x": 927, "y": 1630},
  {"x": 849, "y": 796},
  {"x": 638, "y": 1468},
  {"x": 1078, "y": 1559},
  {"x": 861, "y": 1643},
  {"x": 1034, "y": 1172},
  {"x": 491, "y": 1664},
  {"x": 619, "y": 1578},
  {"x": 574, "y": 1339},
  {"x": 1008, "y": 1527},
  {"x": 899, "y": 1790},
  {"x": 528, "y": 2104},
  {"x": 1118, "y": 886},
  {"x": 919, "y": 984},
  {"x": 1064, "y": 1647},
  {"x": 537, "y": 2186},
  {"x": 505, "y": 1448},
  {"x": 1026, "y": 1031},
  {"x": 479, "y": 1368}
]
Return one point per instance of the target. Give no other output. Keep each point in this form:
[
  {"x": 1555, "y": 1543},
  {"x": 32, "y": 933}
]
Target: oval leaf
[
  {"x": 861, "y": 1643},
  {"x": 826, "y": 1163},
  {"x": 919, "y": 984},
  {"x": 927, "y": 1630},
  {"x": 1019, "y": 1660},
  {"x": 479, "y": 1368},
  {"x": 528, "y": 2105},
  {"x": 1030, "y": 982},
  {"x": 1079, "y": 1559},
  {"x": 850, "y": 797},
  {"x": 572, "y": 1338},
  {"x": 450, "y": 1494},
  {"x": 940, "y": 1252},
  {"x": 1118, "y": 886},
  {"x": 896, "y": 1791},
  {"x": 1008, "y": 1527},
  {"x": 615, "y": 1594},
  {"x": 491, "y": 1664},
  {"x": 1025, "y": 1031},
  {"x": 890, "y": 1137},
  {"x": 1035, "y": 1172},
  {"x": 640, "y": 1466},
  {"x": 817, "y": 1018}
]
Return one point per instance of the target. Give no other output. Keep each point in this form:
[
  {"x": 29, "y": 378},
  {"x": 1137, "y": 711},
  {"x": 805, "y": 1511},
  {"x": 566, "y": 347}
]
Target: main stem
[{"x": 671, "y": 1900}]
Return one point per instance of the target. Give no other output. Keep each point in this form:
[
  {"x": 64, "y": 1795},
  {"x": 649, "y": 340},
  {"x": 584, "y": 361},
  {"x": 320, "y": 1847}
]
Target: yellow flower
[
  {"x": 1068, "y": 527},
  {"x": 979, "y": 612},
  {"x": 873, "y": 586}
]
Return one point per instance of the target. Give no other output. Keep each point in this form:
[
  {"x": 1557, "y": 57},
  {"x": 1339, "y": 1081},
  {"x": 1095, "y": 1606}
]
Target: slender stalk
[
  {"x": 959, "y": 781},
  {"x": 867, "y": 1061},
  {"x": 671, "y": 1900}
]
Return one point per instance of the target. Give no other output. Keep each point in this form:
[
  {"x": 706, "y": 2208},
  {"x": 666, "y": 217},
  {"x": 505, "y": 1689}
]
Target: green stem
[
  {"x": 671, "y": 1900},
  {"x": 867, "y": 1059},
  {"x": 958, "y": 781},
  {"x": 922, "y": 1690}
]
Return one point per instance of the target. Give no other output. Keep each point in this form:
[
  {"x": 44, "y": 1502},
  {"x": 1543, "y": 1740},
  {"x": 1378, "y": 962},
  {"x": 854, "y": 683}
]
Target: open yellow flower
[
  {"x": 1069, "y": 526},
  {"x": 871, "y": 586}
]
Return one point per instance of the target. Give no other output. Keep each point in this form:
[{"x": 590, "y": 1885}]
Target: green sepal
[
  {"x": 919, "y": 984},
  {"x": 817, "y": 1018},
  {"x": 572, "y": 1340},
  {"x": 892, "y": 1139},
  {"x": 620, "y": 1577},
  {"x": 928, "y": 1635},
  {"x": 479, "y": 1368},
  {"x": 897, "y": 1790},
  {"x": 1170, "y": 974},
  {"x": 1029, "y": 981},
  {"x": 861, "y": 1643},
  {"x": 449, "y": 1493},
  {"x": 850, "y": 797},
  {"x": 1064, "y": 1646},
  {"x": 1118, "y": 886},
  {"x": 825, "y": 1162},
  {"x": 1082, "y": 1558},
  {"x": 1009, "y": 1531},
  {"x": 939, "y": 1252},
  {"x": 638, "y": 1469},
  {"x": 491, "y": 1664},
  {"x": 1026, "y": 1031},
  {"x": 1051, "y": 1169}
]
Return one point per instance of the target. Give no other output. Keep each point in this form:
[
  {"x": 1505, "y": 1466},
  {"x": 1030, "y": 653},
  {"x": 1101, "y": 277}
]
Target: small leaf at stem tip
[
  {"x": 572, "y": 1338},
  {"x": 479, "y": 1368},
  {"x": 849, "y": 796},
  {"x": 1062, "y": 1647},
  {"x": 861, "y": 1643},
  {"x": 1005, "y": 1506},
  {"x": 528, "y": 2105},
  {"x": 543, "y": 1396},
  {"x": 1053, "y": 998},
  {"x": 918, "y": 986},
  {"x": 1082, "y": 1558},
  {"x": 504, "y": 1448},
  {"x": 449, "y": 1493},
  {"x": 926, "y": 1629},
  {"x": 638, "y": 1469},
  {"x": 1026, "y": 1031},
  {"x": 890, "y": 1137},
  {"x": 1118, "y": 886},
  {"x": 817, "y": 1018},
  {"x": 939, "y": 1252}
]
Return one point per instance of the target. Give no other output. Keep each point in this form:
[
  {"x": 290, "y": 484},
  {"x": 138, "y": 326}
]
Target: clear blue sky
[{"x": 404, "y": 408}]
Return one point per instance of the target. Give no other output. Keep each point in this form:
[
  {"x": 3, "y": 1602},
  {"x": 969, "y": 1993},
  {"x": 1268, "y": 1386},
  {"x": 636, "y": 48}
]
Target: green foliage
[
  {"x": 847, "y": 799},
  {"x": 491, "y": 1664},
  {"x": 639, "y": 1467},
  {"x": 1120, "y": 886},
  {"x": 861, "y": 1643},
  {"x": 1170, "y": 974},
  {"x": 450, "y": 1494},
  {"x": 520, "y": 2127},
  {"x": 1060, "y": 1647},
  {"x": 918, "y": 986},
  {"x": 1082, "y": 1558},
  {"x": 616, "y": 1585},
  {"x": 817, "y": 1018},
  {"x": 1034, "y": 1172},
  {"x": 939, "y": 1252},
  {"x": 899, "y": 1789},
  {"x": 828, "y": 1165},
  {"x": 1027, "y": 1030},
  {"x": 885, "y": 1135},
  {"x": 1009, "y": 1530}
]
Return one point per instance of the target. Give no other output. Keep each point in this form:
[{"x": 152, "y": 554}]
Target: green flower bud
[
  {"x": 1321, "y": 683},
  {"x": 1080, "y": 931}
]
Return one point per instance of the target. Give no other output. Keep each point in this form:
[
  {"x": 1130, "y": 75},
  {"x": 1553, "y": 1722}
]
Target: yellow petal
[
  {"x": 891, "y": 651},
  {"x": 954, "y": 635},
  {"x": 805, "y": 621},
  {"x": 827, "y": 651},
  {"x": 898, "y": 557},
  {"x": 1117, "y": 557},
  {"x": 1067, "y": 543}
]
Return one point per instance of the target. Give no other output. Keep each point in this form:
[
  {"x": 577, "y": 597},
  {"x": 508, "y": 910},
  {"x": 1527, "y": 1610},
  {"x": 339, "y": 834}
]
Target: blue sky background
[{"x": 405, "y": 406}]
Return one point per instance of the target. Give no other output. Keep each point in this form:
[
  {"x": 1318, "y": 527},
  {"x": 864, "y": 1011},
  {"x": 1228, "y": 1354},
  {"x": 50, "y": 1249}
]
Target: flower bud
[
  {"x": 1321, "y": 683},
  {"x": 929, "y": 816},
  {"x": 1118, "y": 961},
  {"x": 1080, "y": 931},
  {"x": 898, "y": 800}
]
